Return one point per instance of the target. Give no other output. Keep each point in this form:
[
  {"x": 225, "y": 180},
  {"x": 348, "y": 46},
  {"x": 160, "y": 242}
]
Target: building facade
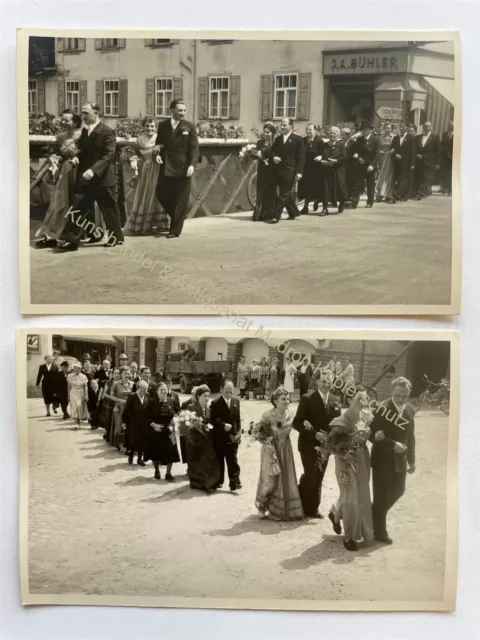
[{"x": 250, "y": 82}]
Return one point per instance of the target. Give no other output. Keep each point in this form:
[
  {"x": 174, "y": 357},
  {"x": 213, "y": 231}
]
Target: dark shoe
[
  {"x": 292, "y": 217},
  {"x": 273, "y": 221},
  {"x": 385, "y": 539},
  {"x": 390, "y": 201},
  {"x": 172, "y": 235},
  {"x": 324, "y": 212},
  {"x": 93, "y": 240},
  {"x": 336, "y": 525},
  {"x": 45, "y": 243},
  {"x": 369, "y": 205},
  {"x": 65, "y": 417},
  {"x": 169, "y": 477},
  {"x": 48, "y": 415},
  {"x": 141, "y": 463},
  {"x": 157, "y": 475},
  {"x": 69, "y": 247},
  {"x": 315, "y": 205},
  {"x": 354, "y": 205},
  {"x": 350, "y": 545},
  {"x": 220, "y": 485},
  {"x": 130, "y": 458},
  {"x": 304, "y": 210},
  {"x": 341, "y": 208}
]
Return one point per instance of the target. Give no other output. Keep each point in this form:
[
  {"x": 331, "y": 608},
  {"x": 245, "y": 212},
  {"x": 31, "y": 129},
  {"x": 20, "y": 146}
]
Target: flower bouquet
[
  {"x": 262, "y": 432},
  {"x": 187, "y": 420}
]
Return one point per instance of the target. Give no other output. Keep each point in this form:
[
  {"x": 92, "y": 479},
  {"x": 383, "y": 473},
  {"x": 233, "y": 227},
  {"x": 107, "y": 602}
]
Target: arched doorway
[
  {"x": 254, "y": 349},
  {"x": 216, "y": 349},
  {"x": 151, "y": 354}
]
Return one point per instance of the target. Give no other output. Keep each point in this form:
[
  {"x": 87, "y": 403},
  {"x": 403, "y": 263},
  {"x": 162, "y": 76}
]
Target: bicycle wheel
[
  {"x": 445, "y": 405},
  {"x": 252, "y": 190}
]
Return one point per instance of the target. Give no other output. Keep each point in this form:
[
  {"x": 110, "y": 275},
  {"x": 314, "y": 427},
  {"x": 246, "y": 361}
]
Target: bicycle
[{"x": 436, "y": 394}]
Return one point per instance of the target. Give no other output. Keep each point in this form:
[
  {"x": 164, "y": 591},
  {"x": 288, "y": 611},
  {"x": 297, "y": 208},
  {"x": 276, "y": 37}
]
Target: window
[
  {"x": 219, "y": 356},
  {"x": 182, "y": 346},
  {"x": 111, "y": 43},
  {"x": 285, "y": 95},
  {"x": 71, "y": 44},
  {"x": 160, "y": 41},
  {"x": 72, "y": 96},
  {"x": 32, "y": 96},
  {"x": 163, "y": 96},
  {"x": 219, "y": 97},
  {"x": 111, "y": 97}
]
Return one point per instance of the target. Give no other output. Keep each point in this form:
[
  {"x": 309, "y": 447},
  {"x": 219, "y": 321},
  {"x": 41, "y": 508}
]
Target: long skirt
[
  {"x": 278, "y": 494},
  {"x": 273, "y": 382},
  {"x": 386, "y": 178},
  {"x": 146, "y": 214},
  {"x": 335, "y": 185},
  {"x": 116, "y": 431},
  {"x": 61, "y": 197},
  {"x": 203, "y": 467},
  {"x": 161, "y": 447},
  {"x": 266, "y": 192},
  {"x": 78, "y": 405},
  {"x": 354, "y": 505}
]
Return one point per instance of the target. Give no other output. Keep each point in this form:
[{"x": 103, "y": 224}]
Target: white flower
[{"x": 188, "y": 423}]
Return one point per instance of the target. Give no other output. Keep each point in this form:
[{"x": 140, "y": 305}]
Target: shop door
[{"x": 351, "y": 100}]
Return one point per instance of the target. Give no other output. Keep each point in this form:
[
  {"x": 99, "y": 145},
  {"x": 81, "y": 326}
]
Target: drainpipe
[
  {"x": 194, "y": 101},
  {"x": 362, "y": 361}
]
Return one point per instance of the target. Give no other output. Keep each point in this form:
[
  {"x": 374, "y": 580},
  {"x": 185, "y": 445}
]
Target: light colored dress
[
  {"x": 121, "y": 392},
  {"x": 242, "y": 371},
  {"x": 78, "y": 396},
  {"x": 386, "y": 181},
  {"x": 289, "y": 382},
  {"x": 147, "y": 213},
  {"x": 273, "y": 379},
  {"x": 354, "y": 506},
  {"x": 277, "y": 489}
]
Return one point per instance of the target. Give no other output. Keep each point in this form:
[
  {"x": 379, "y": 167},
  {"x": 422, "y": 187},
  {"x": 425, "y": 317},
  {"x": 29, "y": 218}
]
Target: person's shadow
[
  {"x": 331, "y": 548},
  {"x": 123, "y": 466},
  {"x": 254, "y": 524},
  {"x": 184, "y": 492}
]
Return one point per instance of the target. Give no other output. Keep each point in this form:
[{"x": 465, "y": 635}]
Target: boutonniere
[{"x": 184, "y": 131}]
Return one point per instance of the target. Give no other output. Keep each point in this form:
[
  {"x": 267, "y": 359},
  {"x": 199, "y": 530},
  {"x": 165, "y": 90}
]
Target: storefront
[
  {"x": 97, "y": 348},
  {"x": 411, "y": 83}
]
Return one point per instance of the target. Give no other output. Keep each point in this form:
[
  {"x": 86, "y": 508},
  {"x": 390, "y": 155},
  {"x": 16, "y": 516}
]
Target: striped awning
[{"x": 440, "y": 102}]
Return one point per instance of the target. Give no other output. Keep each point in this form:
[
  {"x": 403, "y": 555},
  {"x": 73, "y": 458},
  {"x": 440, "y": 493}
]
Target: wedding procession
[{"x": 112, "y": 166}]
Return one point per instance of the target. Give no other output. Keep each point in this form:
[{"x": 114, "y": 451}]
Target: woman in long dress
[
  {"x": 203, "y": 466},
  {"x": 242, "y": 370},
  {"x": 78, "y": 394},
  {"x": 120, "y": 392},
  {"x": 107, "y": 401},
  {"x": 386, "y": 177},
  {"x": 273, "y": 380},
  {"x": 277, "y": 489},
  {"x": 266, "y": 175},
  {"x": 134, "y": 419},
  {"x": 161, "y": 447},
  {"x": 310, "y": 186},
  {"x": 290, "y": 373},
  {"x": 347, "y": 441},
  {"x": 146, "y": 215},
  {"x": 63, "y": 167},
  {"x": 335, "y": 177}
]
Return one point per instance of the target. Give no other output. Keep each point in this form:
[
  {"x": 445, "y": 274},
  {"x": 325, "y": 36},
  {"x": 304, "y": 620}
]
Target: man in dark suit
[
  {"x": 178, "y": 143},
  {"x": 365, "y": 153},
  {"x": 393, "y": 454},
  {"x": 403, "y": 146},
  {"x": 47, "y": 374},
  {"x": 61, "y": 388},
  {"x": 446, "y": 160},
  {"x": 428, "y": 161},
  {"x": 227, "y": 429},
  {"x": 102, "y": 373},
  {"x": 95, "y": 183},
  {"x": 288, "y": 151},
  {"x": 312, "y": 421}
]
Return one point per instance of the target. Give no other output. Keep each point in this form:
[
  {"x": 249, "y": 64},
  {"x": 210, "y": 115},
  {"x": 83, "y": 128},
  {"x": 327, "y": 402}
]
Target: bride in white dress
[{"x": 290, "y": 371}]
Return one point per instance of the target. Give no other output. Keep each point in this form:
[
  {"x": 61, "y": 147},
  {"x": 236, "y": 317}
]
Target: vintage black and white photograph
[
  {"x": 187, "y": 174},
  {"x": 298, "y": 470}
]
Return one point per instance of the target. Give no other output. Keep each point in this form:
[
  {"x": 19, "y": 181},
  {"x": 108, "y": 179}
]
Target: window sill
[
  {"x": 70, "y": 51},
  {"x": 163, "y": 45},
  {"x": 109, "y": 49}
]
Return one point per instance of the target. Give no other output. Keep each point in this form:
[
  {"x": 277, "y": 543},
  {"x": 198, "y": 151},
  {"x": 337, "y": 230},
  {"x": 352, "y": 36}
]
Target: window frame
[
  {"x": 285, "y": 92},
  {"x": 164, "y": 91},
  {"x": 111, "y": 115},
  {"x": 67, "y": 48},
  {"x": 67, "y": 106},
  {"x": 106, "y": 46},
  {"x": 218, "y": 92},
  {"x": 32, "y": 92}
]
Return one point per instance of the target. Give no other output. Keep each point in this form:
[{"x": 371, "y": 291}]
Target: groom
[
  {"x": 314, "y": 413},
  {"x": 178, "y": 143}
]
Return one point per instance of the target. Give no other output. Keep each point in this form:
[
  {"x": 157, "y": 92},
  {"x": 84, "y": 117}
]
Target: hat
[
  {"x": 86, "y": 356},
  {"x": 65, "y": 363},
  {"x": 366, "y": 125},
  {"x": 123, "y": 356}
]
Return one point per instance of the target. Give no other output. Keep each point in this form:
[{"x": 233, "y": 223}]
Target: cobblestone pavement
[
  {"x": 98, "y": 526},
  {"x": 390, "y": 254}
]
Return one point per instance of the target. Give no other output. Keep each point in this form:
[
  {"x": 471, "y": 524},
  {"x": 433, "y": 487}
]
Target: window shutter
[
  {"x": 81, "y": 44},
  {"x": 61, "y": 94},
  {"x": 83, "y": 91},
  {"x": 148, "y": 42},
  {"x": 304, "y": 84},
  {"x": 150, "y": 87},
  {"x": 177, "y": 88},
  {"x": 98, "y": 43},
  {"x": 121, "y": 43},
  {"x": 60, "y": 45},
  {"x": 234, "y": 98},
  {"x": 41, "y": 94},
  {"x": 203, "y": 98},
  {"x": 99, "y": 94},
  {"x": 123, "y": 98},
  {"x": 266, "y": 97}
]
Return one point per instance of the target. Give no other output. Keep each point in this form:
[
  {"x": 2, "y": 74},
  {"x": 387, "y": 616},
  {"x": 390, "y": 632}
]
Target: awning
[
  {"x": 444, "y": 86},
  {"x": 93, "y": 339}
]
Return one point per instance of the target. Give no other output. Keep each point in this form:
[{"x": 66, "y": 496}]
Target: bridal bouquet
[
  {"x": 262, "y": 432},
  {"x": 186, "y": 420},
  {"x": 248, "y": 151}
]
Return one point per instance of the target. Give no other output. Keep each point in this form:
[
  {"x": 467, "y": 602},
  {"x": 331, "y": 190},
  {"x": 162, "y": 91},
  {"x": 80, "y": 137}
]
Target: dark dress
[
  {"x": 311, "y": 185},
  {"x": 266, "y": 183},
  {"x": 203, "y": 467},
  {"x": 135, "y": 417},
  {"x": 47, "y": 378},
  {"x": 160, "y": 446},
  {"x": 335, "y": 180}
]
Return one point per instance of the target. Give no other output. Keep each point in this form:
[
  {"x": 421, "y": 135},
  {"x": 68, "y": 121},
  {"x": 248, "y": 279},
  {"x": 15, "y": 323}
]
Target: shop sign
[
  {"x": 389, "y": 113},
  {"x": 357, "y": 63},
  {"x": 33, "y": 344}
]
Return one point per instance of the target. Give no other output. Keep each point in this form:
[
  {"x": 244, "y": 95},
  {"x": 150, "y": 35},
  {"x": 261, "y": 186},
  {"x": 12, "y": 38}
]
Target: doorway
[
  {"x": 431, "y": 359},
  {"x": 151, "y": 354},
  {"x": 352, "y": 99}
]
